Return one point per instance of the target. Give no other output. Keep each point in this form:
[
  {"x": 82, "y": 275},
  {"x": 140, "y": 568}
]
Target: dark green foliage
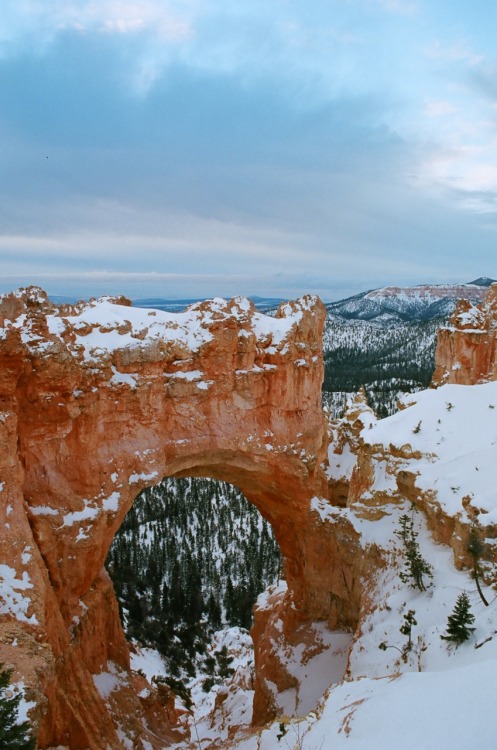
[
  {"x": 458, "y": 623},
  {"x": 218, "y": 667},
  {"x": 416, "y": 565},
  {"x": 191, "y": 556},
  {"x": 475, "y": 548},
  {"x": 178, "y": 687},
  {"x": 386, "y": 359},
  {"x": 282, "y": 732},
  {"x": 406, "y": 628},
  {"x": 13, "y": 736}
]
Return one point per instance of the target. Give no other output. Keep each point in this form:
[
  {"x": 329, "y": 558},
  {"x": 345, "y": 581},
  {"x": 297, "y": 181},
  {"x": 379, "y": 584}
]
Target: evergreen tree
[
  {"x": 475, "y": 549},
  {"x": 13, "y": 736},
  {"x": 406, "y": 628},
  {"x": 458, "y": 623},
  {"x": 416, "y": 565}
]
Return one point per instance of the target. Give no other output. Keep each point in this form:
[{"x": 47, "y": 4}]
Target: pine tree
[
  {"x": 458, "y": 623},
  {"x": 406, "y": 628},
  {"x": 13, "y": 736},
  {"x": 416, "y": 565},
  {"x": 475, "y": 549}
]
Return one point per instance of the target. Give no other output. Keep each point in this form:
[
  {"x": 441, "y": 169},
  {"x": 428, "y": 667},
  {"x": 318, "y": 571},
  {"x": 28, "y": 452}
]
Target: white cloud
[
  {"x": 458, "y": 51},
  {"x": 401, "y": 7},
  {"x": 170, "y": 20},
  {"x": 439, "y": 108}
]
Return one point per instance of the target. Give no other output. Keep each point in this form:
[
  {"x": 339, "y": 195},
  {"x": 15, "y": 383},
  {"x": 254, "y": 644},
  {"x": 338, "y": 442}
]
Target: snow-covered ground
[
  {"x": 439, "y": 696},
  {"x": 226, "y": 704}
]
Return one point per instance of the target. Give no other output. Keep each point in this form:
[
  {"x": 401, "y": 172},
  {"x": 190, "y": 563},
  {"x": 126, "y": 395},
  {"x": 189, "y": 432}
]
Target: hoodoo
[
  {"x": 466, "y": 348},
  {"x": 100, "y": 400}
]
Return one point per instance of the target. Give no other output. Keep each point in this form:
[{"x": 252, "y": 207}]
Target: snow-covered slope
[{"x": 437, "y": 695}]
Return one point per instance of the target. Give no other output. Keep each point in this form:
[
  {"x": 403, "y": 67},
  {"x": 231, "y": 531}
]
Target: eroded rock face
[
  {"x": 466, "y": 349},
  {"x": 101, "y": 400}
]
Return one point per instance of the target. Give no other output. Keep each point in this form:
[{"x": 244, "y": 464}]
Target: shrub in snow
[
  {"x": 13, "y": 736},
  {"x": 416, "y": 565},
  {"x": 458, "y": 623},
  {"x": 405, "y": 629}
]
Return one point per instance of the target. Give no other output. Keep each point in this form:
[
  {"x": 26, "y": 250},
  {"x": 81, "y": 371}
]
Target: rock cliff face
[
  {"x": 100, "y": 400},
  {"x": 466, "y": 350}
]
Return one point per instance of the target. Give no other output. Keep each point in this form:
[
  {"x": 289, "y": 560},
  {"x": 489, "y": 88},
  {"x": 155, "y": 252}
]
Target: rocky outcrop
[
  {"x": 100, "y": 400},
  {"x": 466, "y": 349}
]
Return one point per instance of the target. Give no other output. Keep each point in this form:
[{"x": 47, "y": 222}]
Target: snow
[
  {"x": 411, "y": 711},
  {"x": 43, "y": 510},
  {"x": 123, "y": 378},
  {"x": 108, "y": 681},
  {"x": 341, "y": 464},
  {"x": 321, "y": 506},
  {"x": 134, "y": 478},
  {"x": 149, "y": 661},
  {"x": 189, "y": 376},
  {"x": 111, "y": 502},
  {"x": 12, "y": 600},
  {"x": 212, "y": 719},
  {"x": 439, "y": 698},
  {"x": 87, "y": 514},
  {"x": 24, "y": 706},
  {"x": 315, "y": 668},
  {"x": 454, "y": 429}
]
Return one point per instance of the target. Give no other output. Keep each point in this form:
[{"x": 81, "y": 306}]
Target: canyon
[{"x": 99, "y": 400}]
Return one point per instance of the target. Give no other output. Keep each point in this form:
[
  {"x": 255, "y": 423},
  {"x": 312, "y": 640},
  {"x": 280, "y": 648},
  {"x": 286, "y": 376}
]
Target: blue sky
[{"x": 212, "y": 147}]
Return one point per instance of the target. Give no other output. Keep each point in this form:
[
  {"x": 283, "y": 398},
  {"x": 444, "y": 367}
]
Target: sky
[{"x": 194, "y": 148}]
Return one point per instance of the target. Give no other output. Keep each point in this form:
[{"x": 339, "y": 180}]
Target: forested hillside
[
  {"x": 388, "y": 359},
  {"x": 191, "y": 557}
]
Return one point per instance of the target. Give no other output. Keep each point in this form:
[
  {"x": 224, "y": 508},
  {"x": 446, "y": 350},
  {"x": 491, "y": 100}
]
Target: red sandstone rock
[
  {"x": 100, "y": 400},
  {"x": 466, "y": 349}
]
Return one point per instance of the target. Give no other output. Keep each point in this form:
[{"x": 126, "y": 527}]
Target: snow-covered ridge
[
  {"x": 400, "y": 304},
  {"x": 107, "y": 324}
]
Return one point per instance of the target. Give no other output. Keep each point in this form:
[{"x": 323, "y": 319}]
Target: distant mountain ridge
[
  {"x": 392, "y": 304},
  {"x": 178, "y": 305}
]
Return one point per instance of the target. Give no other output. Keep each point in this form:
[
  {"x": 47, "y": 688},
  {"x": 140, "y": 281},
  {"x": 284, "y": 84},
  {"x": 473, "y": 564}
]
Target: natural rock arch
[{"x": 100, "y": 400}]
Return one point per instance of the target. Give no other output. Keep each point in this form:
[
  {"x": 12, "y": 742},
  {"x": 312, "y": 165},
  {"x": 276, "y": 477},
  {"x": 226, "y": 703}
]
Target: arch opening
[{"x": 189, "y": 560}]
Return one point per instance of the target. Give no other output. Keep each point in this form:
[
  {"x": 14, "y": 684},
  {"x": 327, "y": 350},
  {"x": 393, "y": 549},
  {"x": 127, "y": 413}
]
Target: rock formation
[
  {"x": 100, "y": 400},
  {"x": 466, "y": 348}
]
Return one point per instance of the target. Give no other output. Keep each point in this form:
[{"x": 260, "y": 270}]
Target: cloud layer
[{"x": 189, "y": 148}]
